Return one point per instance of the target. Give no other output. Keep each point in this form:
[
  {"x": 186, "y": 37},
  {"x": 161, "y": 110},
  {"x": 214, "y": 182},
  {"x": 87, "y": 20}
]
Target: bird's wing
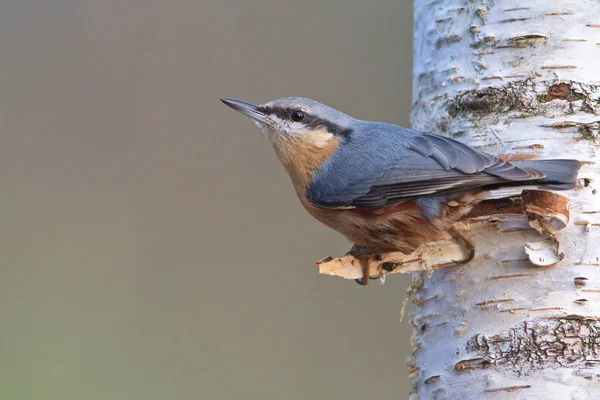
[{"x": 404, "y": 165}]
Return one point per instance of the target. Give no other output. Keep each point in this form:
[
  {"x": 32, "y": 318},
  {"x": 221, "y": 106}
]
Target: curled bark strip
[
  {"x": 544, "y": 253},
  {"x": 551, "y": 206},
  {"x": 547, "y": 212}
]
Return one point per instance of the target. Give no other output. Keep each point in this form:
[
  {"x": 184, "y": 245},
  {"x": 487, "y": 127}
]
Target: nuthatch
[{"x": 385, "y": 187}]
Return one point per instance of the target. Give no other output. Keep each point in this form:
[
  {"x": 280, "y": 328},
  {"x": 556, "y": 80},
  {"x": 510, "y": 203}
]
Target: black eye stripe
[
  {"x": 308, "y": 120},
  {"x": 278, "y": 112}
]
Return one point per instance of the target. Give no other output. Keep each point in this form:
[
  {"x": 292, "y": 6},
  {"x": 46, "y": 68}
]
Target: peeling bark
[{"x": 513, "y": 78}]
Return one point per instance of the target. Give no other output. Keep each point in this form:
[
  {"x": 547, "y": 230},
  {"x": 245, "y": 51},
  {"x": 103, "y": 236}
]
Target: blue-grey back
[
  {"x": 370, "y": 154},
  {"x": 379, "y": 164}
]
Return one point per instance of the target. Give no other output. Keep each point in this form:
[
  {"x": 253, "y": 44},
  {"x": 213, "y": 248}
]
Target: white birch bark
[{"x": 512, "y": 77}]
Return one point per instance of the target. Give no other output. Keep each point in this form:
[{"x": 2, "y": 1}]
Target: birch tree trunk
[{"x": 512, "y": 77}]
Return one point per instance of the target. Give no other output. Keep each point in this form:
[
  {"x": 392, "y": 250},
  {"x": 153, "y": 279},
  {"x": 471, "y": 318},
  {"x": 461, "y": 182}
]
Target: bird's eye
[{"x": 297, "y": 115}]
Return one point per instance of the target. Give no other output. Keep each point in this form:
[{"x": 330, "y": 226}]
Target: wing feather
[{"x": 395, "y": 165}]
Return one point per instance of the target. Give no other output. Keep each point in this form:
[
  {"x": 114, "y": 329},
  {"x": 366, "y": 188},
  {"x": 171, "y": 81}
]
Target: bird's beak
[{"x": 248, "y": 109}]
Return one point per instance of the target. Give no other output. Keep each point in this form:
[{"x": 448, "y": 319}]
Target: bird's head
[
  {"x": 303, "y": 132},
  {"x": 296, "y": 118}
]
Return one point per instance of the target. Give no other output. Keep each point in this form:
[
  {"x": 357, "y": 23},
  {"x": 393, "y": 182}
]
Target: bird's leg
[
  {"x": 366, "y": 271},
  {"x": 363, "y": 254},
  {"x": 467, "y": 242}
]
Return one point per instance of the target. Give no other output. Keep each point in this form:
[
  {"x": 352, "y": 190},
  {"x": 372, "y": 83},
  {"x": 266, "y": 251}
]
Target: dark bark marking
[
  {"x": 509, "y": 388},
  {"x": 588, "y": 130},
  {"x": 432, "y": 379},
  {"x": 486, "y": 101},
  {"x": 525, "y": 41},
  {"x": 511, "y": 20},
  {"x": 475, "y": 363},
  {"x": 561, "y": 91},
  {"x": 529, "y": 99},
  {"x": 571, "y": 341},
  {"x": 446, "y": 41},
  {"x": 580, "y": 281}
]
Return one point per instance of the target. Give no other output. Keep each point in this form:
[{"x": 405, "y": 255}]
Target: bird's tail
[{"x": 560, "y": 174}]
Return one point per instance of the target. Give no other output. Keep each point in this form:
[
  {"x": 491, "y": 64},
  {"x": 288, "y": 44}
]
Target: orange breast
[{"x": 303, "y": 154}]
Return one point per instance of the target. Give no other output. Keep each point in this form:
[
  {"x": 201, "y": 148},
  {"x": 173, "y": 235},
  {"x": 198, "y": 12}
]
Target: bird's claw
[
  {"x": 467, "y": 242},
  {"x": 360, "y": 282}
]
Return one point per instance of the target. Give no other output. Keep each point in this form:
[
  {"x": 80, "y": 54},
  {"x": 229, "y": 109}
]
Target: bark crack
[
  {"x": 571, "y": 341},
  {"x": 526, "y": 96}
]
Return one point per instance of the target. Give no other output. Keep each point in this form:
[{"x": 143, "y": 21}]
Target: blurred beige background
[{"x": 151, "y": 245}]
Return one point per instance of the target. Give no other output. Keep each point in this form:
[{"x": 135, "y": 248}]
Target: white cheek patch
[
  {"x": 318, "y": 138},
  {"x": 288, "y": 128}
]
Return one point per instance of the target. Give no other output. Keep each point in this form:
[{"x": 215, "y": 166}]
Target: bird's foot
[
  {"x": 467, "y": 242},
  {"x": 366, "y": 270},
  {"x": 363, "y": 254}
]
